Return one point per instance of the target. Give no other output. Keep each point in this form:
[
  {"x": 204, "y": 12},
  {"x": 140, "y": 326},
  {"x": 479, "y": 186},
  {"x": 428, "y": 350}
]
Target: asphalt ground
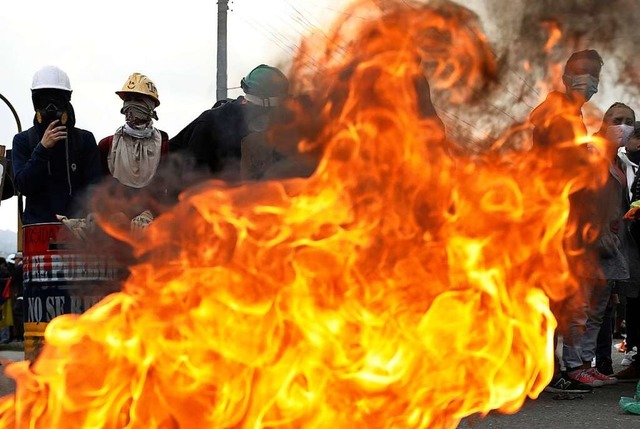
[
  {"x": 599, "y": 409},
  {"x": 9, "y": 353}
]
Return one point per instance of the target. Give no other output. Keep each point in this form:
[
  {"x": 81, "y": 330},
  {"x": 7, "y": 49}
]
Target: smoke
[
  {"x": 519, "y": 31},
  {"x": 530, "y": 41},
  {"x": 522, "y": 67}
]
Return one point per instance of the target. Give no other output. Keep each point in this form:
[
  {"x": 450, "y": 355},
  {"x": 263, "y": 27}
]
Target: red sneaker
[
  {"x": 593, "y": 372},
  {"x": 582, "y": 376}
]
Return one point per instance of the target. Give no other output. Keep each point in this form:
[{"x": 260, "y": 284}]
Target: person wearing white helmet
[
  {"x": 131, "y": 156},
  {"x": 53, "y": 162}
]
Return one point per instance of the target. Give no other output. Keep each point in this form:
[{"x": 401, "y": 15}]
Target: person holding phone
[{"x": 54, "y": 162}]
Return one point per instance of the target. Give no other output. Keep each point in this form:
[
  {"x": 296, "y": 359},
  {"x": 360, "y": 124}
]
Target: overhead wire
[
  {"x": 301, "y": 22},
  {"x": 278, "y": 39}
]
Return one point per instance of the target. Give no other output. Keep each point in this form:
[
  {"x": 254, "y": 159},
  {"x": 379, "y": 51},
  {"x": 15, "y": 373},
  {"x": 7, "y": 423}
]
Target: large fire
[{"x": 405, "y": 284}]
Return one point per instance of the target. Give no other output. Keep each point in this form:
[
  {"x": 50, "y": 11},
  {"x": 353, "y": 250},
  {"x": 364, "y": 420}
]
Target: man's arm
[{"x": 30, "y": 166}]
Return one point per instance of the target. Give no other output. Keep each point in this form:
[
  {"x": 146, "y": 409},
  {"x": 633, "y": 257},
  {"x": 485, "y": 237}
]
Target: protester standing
[
  {"x": 609, "y": 205},
  {"x": 557, "y": 124},
  {"x": 630, "y": 155},
  {"x": 54, "y": 162},
  {"x": 212, "y": 143},
  {"x": 131, "y": 157}
]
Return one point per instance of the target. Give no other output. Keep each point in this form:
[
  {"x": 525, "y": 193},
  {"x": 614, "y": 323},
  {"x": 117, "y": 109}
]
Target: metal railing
[{"x": 20, "y": 208}]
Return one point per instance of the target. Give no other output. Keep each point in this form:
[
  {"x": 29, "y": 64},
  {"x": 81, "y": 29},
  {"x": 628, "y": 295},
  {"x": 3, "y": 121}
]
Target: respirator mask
[{"x": 51, "y": 105}]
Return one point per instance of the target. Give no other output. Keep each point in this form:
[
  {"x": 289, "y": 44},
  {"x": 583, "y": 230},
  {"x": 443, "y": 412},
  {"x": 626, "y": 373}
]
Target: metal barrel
[{"x": 60, "y": 278}]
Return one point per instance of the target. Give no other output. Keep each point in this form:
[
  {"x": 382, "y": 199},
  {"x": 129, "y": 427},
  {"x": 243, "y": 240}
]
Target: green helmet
[{"x": 265, "y": 86}]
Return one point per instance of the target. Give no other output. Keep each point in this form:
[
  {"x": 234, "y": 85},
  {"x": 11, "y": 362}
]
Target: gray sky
[{"x": 174, "y": 43}]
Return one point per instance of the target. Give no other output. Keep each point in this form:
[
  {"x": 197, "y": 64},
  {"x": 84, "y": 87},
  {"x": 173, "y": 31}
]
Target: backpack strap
[{"x": 164, "y": 149}]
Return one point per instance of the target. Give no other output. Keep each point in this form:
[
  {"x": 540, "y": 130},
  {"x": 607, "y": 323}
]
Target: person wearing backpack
[{"x": 212, "y": 144}]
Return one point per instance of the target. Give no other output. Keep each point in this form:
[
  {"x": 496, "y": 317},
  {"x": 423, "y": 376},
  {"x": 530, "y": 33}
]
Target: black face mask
[
  {"x": 633, "y": 156},
  {"x": 51, "y": 105}
]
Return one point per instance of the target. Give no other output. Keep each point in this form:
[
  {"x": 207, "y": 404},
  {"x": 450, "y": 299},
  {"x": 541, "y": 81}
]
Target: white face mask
[
  {"x": 619, "y": 134},
  {"x": 584, "y": 84}
]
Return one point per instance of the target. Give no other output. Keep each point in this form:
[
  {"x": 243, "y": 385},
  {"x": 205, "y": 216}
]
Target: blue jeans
[{"x": 586, "y": 317}]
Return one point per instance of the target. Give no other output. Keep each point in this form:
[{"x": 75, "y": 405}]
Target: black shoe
[
  {"x": 605, "y": 368},
  {"x": 562, "y": 383}
]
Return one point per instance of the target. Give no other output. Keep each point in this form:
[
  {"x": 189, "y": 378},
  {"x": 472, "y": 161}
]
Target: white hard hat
[
  {"x": 51, "y": 77},
  {"x": 11, "y": 258}
]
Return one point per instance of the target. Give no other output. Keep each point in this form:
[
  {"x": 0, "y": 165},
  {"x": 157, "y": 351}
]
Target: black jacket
[
  {"x": 213, "y": 139},
  {"x": 53, "y": 179}
]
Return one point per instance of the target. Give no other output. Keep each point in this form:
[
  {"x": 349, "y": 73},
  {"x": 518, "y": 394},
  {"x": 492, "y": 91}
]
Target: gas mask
[
  {"x": 584, "y": 84},
  {"x": 619, "y": 134},
  {"x": 51, "y": 105}
]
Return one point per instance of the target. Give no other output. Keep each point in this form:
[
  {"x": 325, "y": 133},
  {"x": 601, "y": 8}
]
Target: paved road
[
  {"x": 596, "y": 410},
  {"x": 10, "y": 353}
]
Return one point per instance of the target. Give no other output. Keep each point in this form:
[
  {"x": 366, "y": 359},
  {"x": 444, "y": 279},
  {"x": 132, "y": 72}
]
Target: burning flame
[
  {"x": 554, "y": 68},
  {"x": 399, "y": 286},
  {"x": 555, "y": 35}
]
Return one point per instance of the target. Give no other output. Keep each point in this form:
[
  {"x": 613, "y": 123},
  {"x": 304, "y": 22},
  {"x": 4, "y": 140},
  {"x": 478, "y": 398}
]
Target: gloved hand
[
  {"x": 79, "y": 227},
  {"x": 142, "y": 221}
]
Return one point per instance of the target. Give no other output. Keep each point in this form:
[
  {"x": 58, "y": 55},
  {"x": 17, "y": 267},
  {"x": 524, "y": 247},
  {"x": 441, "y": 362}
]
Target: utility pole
[{"x": 221, "y": 76}]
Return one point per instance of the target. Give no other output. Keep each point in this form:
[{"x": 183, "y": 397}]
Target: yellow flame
[{"x": 399, "y": 286}]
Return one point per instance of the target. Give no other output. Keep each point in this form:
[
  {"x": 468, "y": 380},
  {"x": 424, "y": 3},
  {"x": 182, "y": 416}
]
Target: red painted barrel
[{"x": 60, "y": 278}]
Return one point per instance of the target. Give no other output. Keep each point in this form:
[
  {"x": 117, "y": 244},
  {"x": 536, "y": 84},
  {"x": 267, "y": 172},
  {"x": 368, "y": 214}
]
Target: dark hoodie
[
  {"x": 557, "y": 122},
  {"x": 53, "y": 179},
  {"x": 212, "y": 142},
  {"x": 558, "y": 119}
]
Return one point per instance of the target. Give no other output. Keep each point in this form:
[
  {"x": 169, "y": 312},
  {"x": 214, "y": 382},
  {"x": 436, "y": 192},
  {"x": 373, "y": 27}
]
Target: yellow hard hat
[{"x": 140, "y": 84}]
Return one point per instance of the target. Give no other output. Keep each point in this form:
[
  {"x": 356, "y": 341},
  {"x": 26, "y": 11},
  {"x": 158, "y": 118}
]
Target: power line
[
  {"x": 278, "y": 40},
  {"x": 302, "y": 22}
]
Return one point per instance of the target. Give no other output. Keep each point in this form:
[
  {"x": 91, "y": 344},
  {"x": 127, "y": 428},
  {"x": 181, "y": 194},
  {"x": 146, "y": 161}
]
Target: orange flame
[
  {"x": 555, "y": 35},
  {"x": 399, "y": 286},
  {"x": 554, "y": 68}
]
